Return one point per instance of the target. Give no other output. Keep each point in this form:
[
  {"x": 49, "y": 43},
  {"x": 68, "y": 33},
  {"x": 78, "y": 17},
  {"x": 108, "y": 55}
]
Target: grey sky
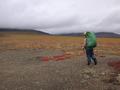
[{"x": 57, "y": 16}]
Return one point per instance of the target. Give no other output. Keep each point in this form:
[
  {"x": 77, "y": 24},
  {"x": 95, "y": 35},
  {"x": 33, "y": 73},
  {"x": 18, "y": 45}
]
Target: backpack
[{"x": 91, "y": 40}]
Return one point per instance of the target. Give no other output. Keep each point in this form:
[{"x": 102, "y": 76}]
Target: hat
[{"x": 85, "y": 33}]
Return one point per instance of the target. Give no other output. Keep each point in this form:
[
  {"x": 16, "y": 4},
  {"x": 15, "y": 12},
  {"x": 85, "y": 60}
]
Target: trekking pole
[{"x": 83, "y": 48}]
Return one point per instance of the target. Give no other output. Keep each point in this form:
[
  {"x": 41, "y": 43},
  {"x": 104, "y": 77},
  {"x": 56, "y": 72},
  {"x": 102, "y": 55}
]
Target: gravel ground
[{"x": 22, "y": 70}]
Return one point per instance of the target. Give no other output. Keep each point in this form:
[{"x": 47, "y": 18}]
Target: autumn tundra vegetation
[
  {"x": 55, "y": 62},
  {"x": 71, "y": 46},
  {"x": 65, "y": 43}
]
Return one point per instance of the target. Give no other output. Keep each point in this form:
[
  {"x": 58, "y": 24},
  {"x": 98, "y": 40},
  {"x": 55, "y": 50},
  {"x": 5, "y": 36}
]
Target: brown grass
[{"x": 67, "y": 44}]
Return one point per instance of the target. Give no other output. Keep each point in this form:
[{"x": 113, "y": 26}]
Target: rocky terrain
[{"x": 25, "y": 70}]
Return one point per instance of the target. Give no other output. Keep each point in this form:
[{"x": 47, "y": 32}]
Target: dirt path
[{"x": 22, "y": 70}]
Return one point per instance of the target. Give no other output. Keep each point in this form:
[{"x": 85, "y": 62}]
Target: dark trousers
[{"x": 90, "y": 55}]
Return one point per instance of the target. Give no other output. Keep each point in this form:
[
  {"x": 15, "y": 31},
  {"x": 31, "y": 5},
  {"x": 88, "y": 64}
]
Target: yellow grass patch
[{"x": 66, "y": 44}]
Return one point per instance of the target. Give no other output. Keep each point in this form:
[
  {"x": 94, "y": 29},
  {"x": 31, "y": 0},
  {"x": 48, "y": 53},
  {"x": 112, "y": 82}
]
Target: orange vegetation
[{"x": 69, "y": 45}]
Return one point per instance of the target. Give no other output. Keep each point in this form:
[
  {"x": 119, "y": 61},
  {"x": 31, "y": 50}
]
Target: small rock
[
  {"x": 111, "y": 88},
  {"x": 103, "y": 73},
  {"x": 86, "y": 76},
  {"x": 118, "y": 78},
  {"x": 83, "y": 81}
]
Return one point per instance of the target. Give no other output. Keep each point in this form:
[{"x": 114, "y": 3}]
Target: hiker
[{"x": 89, "y": 45}]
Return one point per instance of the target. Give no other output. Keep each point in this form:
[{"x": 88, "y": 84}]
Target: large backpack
[{"x": 91, "y": 40}]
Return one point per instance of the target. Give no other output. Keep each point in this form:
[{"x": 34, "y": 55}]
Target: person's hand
[{"x": 83, "y": 47}]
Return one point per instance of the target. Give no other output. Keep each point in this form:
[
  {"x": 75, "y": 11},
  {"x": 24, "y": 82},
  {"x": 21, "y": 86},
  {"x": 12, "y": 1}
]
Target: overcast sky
[{"x": 58, "y": 16}]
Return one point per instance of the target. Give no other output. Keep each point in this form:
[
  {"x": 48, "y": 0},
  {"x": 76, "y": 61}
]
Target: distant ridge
[
  {"x": 99, "y": 34},
  {"x": 31, "y": 31},
  {"x": 71, "y": 34},
  {"x": 107, "y": 34},
  {"x": 24, "y": 31}
]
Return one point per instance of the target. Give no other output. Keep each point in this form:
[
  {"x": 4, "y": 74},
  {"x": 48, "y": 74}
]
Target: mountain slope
[
  {"x": 99, "y": 34},
  {"x": 22, "y": 31}
]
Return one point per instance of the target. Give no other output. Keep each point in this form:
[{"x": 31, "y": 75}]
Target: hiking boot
[
  {"x": 88, "y": 63},
  {"x": 95, "y": 61}
]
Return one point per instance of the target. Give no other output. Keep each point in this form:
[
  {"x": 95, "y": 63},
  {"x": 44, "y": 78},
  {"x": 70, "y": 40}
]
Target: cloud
[
  {"x": 57, "y": 16},
  {"x": 110, "y": 23}
]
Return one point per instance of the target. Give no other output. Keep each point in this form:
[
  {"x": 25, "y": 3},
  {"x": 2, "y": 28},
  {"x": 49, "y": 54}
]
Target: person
[{"x": 89, "y": 45}]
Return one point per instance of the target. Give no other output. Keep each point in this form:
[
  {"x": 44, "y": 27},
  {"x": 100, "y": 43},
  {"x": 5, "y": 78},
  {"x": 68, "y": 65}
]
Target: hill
[
  {"x": 21, "y": 31},
  {"x": 99, "y": 34},
  {"x": 108, "y": 34}
]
